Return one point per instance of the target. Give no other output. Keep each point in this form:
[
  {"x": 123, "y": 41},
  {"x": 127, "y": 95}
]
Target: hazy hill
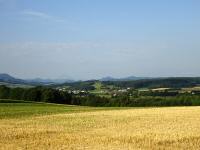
[
  {"x": 130, "y": 78},
  {"x": 9, "y": 79},
  {"x": 50, "y": 81},
  {"x": 6, "y": 78}
]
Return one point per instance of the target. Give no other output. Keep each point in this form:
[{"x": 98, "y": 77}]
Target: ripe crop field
[{"x": 48, "y": 126}]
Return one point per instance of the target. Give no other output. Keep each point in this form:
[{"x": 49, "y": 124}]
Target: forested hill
[{"x": 175, "y": 82}]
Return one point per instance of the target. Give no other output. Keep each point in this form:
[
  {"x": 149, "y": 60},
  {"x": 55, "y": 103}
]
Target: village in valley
[{"x": 103, "y": 90}]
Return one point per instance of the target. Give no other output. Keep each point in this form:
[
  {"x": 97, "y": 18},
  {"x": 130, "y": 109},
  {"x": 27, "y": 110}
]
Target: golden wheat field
[{"x": 137, "y": 128}]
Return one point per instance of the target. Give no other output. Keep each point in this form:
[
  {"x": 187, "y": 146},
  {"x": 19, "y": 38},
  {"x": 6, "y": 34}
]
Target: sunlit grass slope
[
  {"x": 70, "y": 127},
  {"x": 22, "y": 109}
]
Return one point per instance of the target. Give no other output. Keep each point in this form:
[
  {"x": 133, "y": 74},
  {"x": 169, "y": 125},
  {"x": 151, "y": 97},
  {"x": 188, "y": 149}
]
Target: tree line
[
  {"x": 45, "y": 94},
  {"x": 38, "y": 94}
]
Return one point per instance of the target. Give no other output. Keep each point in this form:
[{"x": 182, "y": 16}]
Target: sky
[{"x": 90, "y": 39}]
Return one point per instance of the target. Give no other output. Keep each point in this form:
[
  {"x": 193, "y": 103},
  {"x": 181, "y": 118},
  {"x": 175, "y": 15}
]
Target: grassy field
[
  {"x": 49, "y": 126},
  {"x": 23, "y": 109}
]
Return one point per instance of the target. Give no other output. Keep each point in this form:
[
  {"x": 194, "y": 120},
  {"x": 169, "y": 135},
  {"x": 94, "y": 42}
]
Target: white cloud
[
  {"x": 36, "y": 14},
  {"x": 41, "y": 15}
]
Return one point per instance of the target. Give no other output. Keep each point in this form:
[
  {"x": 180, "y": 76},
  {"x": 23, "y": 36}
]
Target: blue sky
[{"x": 85, "y": 39}]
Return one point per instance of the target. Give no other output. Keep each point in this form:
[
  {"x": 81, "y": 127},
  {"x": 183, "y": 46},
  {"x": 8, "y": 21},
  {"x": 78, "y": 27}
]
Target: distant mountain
[
  {"x": 50, "y": 81},
  {"x": 130, "y": 78},
  {"x": 6, "y": 78},
  {"x": 108, "y": 79},
  {"x": 39, "y": 81},
  {"x": 9, "y": 79}
]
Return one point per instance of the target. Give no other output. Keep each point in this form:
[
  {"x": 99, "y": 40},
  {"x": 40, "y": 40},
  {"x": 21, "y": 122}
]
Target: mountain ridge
[{"x": 4, "y": 77}]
